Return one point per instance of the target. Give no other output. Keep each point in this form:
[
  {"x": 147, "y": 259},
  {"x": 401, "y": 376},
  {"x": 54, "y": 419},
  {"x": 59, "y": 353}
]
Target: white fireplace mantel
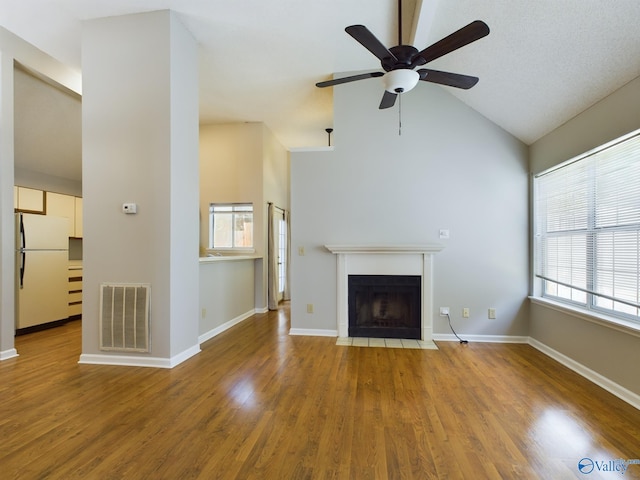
[
  {"x": 385, "y": 260},
  {"x": 380, "y": 249}
]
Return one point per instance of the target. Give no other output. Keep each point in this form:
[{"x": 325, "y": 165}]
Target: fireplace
[
  {"x": 385, "y": 306},
  {"x": 405, "y": 260}
]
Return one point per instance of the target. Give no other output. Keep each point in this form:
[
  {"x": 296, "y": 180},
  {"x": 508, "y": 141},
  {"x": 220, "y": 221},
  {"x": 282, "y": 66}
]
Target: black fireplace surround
[{"x": 385, "y": 306}]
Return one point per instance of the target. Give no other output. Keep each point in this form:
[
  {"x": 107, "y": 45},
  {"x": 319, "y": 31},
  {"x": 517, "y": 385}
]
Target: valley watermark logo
[{"x": 587, "y": 465}]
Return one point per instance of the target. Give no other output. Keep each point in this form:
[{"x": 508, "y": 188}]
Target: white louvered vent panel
[{"x": 124, "y": 317}]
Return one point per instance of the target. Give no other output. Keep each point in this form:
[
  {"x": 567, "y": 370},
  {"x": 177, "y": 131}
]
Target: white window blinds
[{"x": 587, "y": 229}]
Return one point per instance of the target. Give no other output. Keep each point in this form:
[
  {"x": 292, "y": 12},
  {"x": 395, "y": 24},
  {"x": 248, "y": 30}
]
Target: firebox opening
[{"x": 385, "y": 306}]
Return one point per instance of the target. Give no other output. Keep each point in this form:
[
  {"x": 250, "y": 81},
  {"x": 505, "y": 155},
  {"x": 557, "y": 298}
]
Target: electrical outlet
[
  {"x": 204, "y": 312},
  {"x": 309, "y": 307},
  {"x": 465, "y": 312},
  {"x": 444, "y": 311},
  {"x": 492, "y": 313},
  {"x": 301, "y": 251}
]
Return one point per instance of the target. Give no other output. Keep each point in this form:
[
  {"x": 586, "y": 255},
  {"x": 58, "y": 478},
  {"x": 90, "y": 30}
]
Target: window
[
  {"x": 587, "y": 230},
  {"x": 231, "y": 226}
]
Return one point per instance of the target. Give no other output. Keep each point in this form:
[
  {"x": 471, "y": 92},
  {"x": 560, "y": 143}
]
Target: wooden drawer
[
  {"x": 75, "y": 297},
  {"x": 75, "y": 291}
]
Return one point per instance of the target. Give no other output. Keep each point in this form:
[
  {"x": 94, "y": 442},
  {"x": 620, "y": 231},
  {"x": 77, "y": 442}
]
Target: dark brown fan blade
[
  {"x": 446, "y": 78},
  {"x": 388, "y": 100},
  {"x": 472, "y": 32},
  {"x": 353, "y": 78},
  {"x": 369, "y": 41}
]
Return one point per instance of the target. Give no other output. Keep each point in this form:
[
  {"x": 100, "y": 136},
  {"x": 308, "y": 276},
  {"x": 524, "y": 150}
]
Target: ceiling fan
[{"x": 399, "y": 62}]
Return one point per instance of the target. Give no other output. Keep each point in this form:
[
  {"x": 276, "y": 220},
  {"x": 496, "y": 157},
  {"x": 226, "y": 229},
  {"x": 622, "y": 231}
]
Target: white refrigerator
[{"x": 42, "y": 279}]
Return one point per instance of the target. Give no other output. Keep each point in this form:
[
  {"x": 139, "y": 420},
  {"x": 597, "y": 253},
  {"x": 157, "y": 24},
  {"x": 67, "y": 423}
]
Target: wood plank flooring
[{"x": 257, "y": 403}]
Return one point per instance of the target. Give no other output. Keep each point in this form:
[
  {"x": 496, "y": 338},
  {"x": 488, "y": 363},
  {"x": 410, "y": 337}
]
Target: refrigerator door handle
[
  {"x": 23, "y": 240},
  {"x": 23, "y": 254},
  {"x": 23, "y": 263}
]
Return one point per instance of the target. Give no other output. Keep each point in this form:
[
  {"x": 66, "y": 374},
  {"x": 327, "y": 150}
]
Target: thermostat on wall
[{"x": 129, "y": 208}]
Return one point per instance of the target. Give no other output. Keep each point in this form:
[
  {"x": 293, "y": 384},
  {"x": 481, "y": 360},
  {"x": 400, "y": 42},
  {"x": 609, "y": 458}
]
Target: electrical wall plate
[{"x": 129, "y": 208}]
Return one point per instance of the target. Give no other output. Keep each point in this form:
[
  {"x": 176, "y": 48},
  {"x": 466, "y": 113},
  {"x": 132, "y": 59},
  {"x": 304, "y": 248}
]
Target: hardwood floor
[{"x": 258, "y": 403}]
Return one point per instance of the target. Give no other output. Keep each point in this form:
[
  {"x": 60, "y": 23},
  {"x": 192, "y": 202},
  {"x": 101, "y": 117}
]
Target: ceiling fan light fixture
[{"x": 400, "y": 80}]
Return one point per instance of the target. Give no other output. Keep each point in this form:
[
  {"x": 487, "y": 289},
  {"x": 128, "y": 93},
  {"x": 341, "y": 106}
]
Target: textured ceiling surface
[{"x": 543, "y": 62}]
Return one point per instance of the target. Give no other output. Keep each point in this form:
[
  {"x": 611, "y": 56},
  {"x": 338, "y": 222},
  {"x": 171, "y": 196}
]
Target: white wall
[
  {"x": 140, "y": 144},
  {"x": 608, "y": 352},
  {"x": 226, "y": 294},
  {"x": 451, "y": 168}
]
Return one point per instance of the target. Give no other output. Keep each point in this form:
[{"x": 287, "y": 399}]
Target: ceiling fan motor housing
[{"x": 400, "y": 81}]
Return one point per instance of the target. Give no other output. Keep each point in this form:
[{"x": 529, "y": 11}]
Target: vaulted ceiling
[{"x": 542, "y": 63}]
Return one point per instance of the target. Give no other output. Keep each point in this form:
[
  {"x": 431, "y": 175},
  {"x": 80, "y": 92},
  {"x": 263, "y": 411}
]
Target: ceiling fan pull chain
[{"x": 399, "y": 115}]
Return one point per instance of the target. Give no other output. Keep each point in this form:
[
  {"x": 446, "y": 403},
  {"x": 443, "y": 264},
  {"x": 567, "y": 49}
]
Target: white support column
[
  {"x": 140, "y": 145},
  {"x": 7, "y": 239}
]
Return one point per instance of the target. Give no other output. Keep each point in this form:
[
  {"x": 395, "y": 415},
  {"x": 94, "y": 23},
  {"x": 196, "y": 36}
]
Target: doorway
[
  {"x": 278, "y": 256},
  {"x": 48, "y": 162},
  {"x": 280, "y": 227}
]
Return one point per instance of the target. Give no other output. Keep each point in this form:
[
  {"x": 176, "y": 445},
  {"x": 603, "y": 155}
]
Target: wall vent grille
[{"x": 124, "y": 317}]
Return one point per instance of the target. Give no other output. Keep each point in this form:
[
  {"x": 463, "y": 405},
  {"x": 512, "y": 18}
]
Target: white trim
[
  {"x": 313, "y": 332},
  {"x": 449, "y": 337},
  {"x": 610, "y": 386},
  {"x": 185, "y": 355},
  {"x": 131, "y": 361},
  {"x": 11, "y": 353},
  {"x": 262, "y": 310},
  {"x": 341, "y": 249},
  {"x": 620, "y": 325},
  {"x": 225, "y": 326}
]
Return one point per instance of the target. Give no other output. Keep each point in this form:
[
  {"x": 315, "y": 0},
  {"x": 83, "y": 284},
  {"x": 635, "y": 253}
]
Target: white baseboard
[
  {"x": 6, "y": 354},
  {"x": 225, "y": 326},
  {"x": 449, "y": 337},
  {"x": 261, "y": 310},
  {"x": 133, "y": 361},
  {"x": 313, "y": 332},
  {"x": 609, "y": 385}
]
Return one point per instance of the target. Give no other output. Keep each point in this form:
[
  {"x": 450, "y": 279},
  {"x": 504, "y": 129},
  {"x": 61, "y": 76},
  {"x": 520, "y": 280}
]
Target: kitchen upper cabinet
[
  {"x": 68, "y": 206},
  {"x": 28, "y": 199},
  {"x": 78, "y": 217}
]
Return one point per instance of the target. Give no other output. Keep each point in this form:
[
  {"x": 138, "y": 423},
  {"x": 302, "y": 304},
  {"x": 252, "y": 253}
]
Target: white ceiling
[{"x": 543, "y": 62}]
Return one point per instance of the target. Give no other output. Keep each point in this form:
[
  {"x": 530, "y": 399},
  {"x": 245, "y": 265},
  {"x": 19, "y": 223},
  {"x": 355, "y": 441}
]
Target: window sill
[{"x": 624, "y": 326}]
